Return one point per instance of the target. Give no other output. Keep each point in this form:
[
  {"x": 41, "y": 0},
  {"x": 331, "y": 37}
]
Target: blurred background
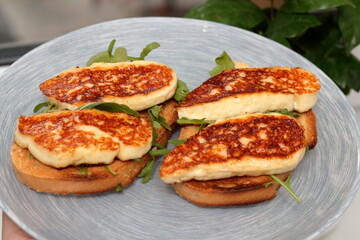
[{"x": 24, "y": 24}]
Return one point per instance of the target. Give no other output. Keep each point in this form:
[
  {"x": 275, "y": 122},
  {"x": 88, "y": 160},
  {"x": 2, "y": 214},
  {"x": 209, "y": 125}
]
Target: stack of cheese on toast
[
  {"x": 50, "y": 148},
  {"x": 230, "y": 161}
]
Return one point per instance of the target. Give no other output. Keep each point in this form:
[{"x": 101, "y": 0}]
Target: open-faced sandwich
[
  {"x": 91, "y": 138},
  {"x": 260, "y": 127}
]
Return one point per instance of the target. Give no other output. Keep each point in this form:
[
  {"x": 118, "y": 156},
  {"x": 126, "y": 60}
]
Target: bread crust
[
  {"x": 239, "y": 190},
  {"x": 43, "y": 178}
]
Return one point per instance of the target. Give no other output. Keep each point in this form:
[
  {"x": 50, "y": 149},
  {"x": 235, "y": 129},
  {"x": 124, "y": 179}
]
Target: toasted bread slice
[
  {"x": 44, "y": 178},
  {"x": 88, "y": 136},
  {"x": 239, "y": 190},
  {"x": 138, "y": 84},
  {"x": 249, "y": 145},
  {"x": 235, "y": 92},
  {"x": 230, "y": 191}
]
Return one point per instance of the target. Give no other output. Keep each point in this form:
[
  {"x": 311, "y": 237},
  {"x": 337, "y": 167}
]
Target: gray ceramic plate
[{"x": 326, "y": 180}]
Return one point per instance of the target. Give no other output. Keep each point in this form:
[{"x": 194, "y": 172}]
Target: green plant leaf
[
  {"x": 110, "y": 170},
  {"x": 181, "y": 91},
  {"x": 223, "y": 62},
  {"x": 119, "y": 188},
  {"x": 111, "y": 107},
  {"x": 302, "y": 6},
  {"x": 145, "y": 51},
  {"x": 243, "y": 14},
  {"x": 193, "y": 121},
  {"x": 83, "y": 170},
  {"x": 147, "y": 172},
  {"x": 158, "y": 152},
  {"x": 177, "y": 142},
  {"x": 156, "y": 118},
  {"x": 290, "y": 25},
  {"x": 285, "y": 184},
  {"x": 349, "y": 24}
]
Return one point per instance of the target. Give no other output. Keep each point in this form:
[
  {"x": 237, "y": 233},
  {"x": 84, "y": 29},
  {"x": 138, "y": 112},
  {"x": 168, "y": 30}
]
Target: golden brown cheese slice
[
  {"x": 250, "y": 145},
  {"x": 249, "y": 90},
  {"x": 138, "y": 84},
  {"x": 77, "y": 137}
]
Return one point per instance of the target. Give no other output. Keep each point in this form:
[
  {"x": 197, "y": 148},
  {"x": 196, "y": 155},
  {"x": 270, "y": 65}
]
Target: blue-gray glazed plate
[{"x": 326, "y": 180}]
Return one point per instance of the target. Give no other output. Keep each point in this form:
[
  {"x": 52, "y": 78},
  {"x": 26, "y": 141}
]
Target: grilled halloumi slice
[
  {"x": 138, "y": 84},
  {"x": 249, "y": 145},
  {"x": 90, "y": 136},
  {"x": 249, "y": 90}
]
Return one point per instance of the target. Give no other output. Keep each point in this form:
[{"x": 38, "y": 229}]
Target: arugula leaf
[
  {"x": 194, "y": 121},
  {"x": 290, "y": 25},
  {"x": 110, "y": 170},
  {"x": 146, "y": 172},
  {"x": 181, "y": 91},
  {"x": 120, "y": 54},
  {"x": 146, "y": 51},
  {"x": 287, "y": 113},
  {"x": 111, "y": 107},
  {"x": 302, "y": 6},
  {"x": 243, "y": 14},
  {"x": 177, "y": 142},
  {"x": 285, "y": 184},
  {"x": 157, "y": 119},
  {"x": 46, "y": 107},
  {"x": 154, "y": 125},
  {"x": 223, "y": 62},
  {"x": 119, "y": 188},
  {"x": 349, "y": 24},
  {"x": 83, "y": 170},
  {"x": 158, "y": 152}
]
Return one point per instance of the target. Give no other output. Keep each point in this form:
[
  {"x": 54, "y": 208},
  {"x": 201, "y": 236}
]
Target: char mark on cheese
[
  {"x": 92, "y": 84},
  {"x": 262, "y": 137},
  {"x": 233, "y": 82},
  {"x": 65, "y": 131}
]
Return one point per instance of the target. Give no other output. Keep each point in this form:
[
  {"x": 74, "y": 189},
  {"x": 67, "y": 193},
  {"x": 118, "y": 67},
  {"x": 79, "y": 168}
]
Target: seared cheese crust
[
  {"x": 88, "y": 136},
  {"x": 138, "y": 84},
  {"x": 250, "y": 145},
  {"x": 249, "y": 90}
]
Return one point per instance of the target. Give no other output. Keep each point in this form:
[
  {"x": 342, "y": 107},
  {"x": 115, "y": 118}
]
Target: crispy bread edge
[{"x": 43, "y": 178}]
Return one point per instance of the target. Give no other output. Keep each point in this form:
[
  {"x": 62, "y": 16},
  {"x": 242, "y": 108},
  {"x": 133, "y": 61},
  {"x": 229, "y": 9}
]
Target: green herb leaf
[
  {"x": 287, "y": 113},
  {"x": 158, "y": 152},
  {"x": 137, "y": 159},
  {"x": 155, "y": 111},
  {"x": 119, "y": 188},
  {"x": 147, "y": 172},
  {"x": 110, "y": 170},
  {"x": 154, "y": 115},
  {"x": 243, "y": 14},
  {"x": 177, "y": 142},
  {"x": 145, "y": 51},
  {"x": 158, "y": 145},
  {"x": 193, "y": 121},
  {"x": 153, "y": 126},
  {"x": 31, "y": 156},
  {"x": 83, "y": 170},
  {"x": 150, "y": 47},
  {"x": 285, "y": 184},
  {"x": 46, "y": 107},
  {"x": 111, "y": 107},
  {"x": 301, "y": 6},
  {"x": 120, "y": 55},
  {"x": 290, "y": 25},
  {"x": 223, "y": 62},
  {"x": 349, "y": 24},
  {"x": 181, "y": 91}
]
